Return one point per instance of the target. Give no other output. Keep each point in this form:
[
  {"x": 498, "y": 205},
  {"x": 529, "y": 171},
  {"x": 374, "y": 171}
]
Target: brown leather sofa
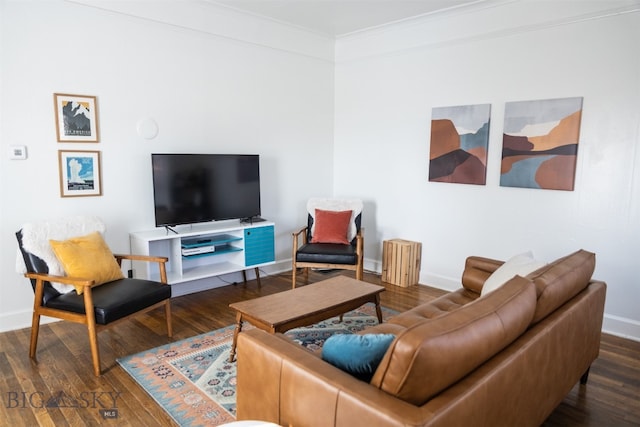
[{"x": 505, "y": 359}]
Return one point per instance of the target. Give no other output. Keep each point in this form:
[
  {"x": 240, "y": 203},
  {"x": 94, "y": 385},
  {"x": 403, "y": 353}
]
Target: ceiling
[{"x": 336, "y": 18}]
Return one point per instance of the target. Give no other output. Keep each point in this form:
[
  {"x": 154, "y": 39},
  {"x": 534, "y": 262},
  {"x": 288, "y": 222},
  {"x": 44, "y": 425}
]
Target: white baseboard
[
  {"x": 20, "y": 320},
  {"x": 621, "y": 327},
  {"x": 440, "y": 282}
]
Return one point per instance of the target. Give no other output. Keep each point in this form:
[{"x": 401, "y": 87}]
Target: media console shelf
[
  {"x": 202, "y": 251},
  {"x": 198, "y": 247}
]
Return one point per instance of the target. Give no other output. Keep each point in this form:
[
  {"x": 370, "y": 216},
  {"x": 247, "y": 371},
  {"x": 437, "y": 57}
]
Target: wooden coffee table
[{"x": 305, "y": 305}]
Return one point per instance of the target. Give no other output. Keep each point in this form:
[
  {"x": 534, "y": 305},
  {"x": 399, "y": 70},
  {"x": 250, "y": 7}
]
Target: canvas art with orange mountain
[
  {"x": 459, "y": 141},
  {"x": 540, "y": 143}
]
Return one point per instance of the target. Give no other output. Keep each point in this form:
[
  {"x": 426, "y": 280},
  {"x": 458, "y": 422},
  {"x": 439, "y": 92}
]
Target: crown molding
[
  {"x": 480, "y": 21},
  {"x": 212, "y": 19}
]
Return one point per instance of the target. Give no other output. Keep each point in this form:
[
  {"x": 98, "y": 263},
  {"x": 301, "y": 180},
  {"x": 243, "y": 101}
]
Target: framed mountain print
[{"x": 76, "y": 118}]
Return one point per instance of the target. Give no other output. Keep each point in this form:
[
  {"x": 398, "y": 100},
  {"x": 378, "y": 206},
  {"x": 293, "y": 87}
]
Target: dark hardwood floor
[{"x": 63, "y": 373}]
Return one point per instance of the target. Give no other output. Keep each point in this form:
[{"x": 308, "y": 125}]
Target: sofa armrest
[
  {"x": 477, "y": 270},
  {"x": 281, "y": 382}
]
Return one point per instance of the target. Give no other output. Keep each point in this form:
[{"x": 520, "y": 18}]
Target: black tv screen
[{"x": 192, "y": 188}]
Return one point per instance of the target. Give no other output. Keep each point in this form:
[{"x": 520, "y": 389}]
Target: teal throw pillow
[{"x": 359, "y": 355}]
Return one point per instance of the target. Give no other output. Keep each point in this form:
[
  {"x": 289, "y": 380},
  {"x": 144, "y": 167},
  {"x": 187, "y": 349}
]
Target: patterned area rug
[{"x": 194, "y": 382}]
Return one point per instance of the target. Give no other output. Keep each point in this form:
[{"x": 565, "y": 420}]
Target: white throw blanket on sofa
[{"x": 36, "y": 236}]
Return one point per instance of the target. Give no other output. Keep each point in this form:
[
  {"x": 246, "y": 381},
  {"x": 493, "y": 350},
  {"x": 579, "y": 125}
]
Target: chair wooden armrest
[
  {"x": 161, "y": 260},
  {"x": 296, "y": 237},
  {"x": 294, "y": 248},
  {"x": 149, "y": 258},
  {"x": 303, "y": 232},
  {"x": 296, "y": 244},
  {"x": 75, "y": 281}
]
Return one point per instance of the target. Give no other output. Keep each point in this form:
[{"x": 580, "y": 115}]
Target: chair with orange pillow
[
  {"x": 332, "y": 239},
  {"x": 75, "y": 277}
]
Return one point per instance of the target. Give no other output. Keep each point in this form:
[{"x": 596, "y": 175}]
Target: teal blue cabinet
[{"x": 259, "y": 245}]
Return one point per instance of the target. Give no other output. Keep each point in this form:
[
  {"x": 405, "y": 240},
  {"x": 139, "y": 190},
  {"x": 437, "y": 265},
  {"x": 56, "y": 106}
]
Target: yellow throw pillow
[{"x": 87, "y": 257}]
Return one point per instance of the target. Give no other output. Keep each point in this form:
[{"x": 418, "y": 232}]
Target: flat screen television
[{"x": 192, "y": 188}]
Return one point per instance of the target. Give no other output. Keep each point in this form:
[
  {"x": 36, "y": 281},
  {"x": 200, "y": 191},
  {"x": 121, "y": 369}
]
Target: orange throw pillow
[{"x": 331, "y": 227}]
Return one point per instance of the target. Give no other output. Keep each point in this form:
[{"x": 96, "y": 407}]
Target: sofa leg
[{"x": 585, "y": 377}]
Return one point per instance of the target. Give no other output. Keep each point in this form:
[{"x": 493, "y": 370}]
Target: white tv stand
[{"x": 226, "y": 247}]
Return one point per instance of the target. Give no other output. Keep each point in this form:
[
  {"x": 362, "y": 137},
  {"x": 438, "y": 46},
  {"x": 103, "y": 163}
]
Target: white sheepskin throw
[
  {"x": 354, "y": 205},
  {"x": 36, "y": 236}
]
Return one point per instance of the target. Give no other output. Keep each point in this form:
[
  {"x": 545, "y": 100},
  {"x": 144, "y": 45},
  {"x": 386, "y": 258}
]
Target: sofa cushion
[
  {"x": 328, "y": 253},
  {"x": 331, "y": 227},
  {"x": 330, "y": 204},
  {"x": 359, "y": 355},
  {"x": 115, "y": 300},
  {"x": 520, "y": 265},
  {"x": 432, "y": 355},
  {"x": 440, "y": 306},
  {"x": 561, "y": 280}
]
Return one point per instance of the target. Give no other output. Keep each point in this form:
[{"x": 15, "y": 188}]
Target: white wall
[
  {"x": 208, "y": 92},
  {"x": 219, "y": 82},
  {"x": 387, "y": 83}
]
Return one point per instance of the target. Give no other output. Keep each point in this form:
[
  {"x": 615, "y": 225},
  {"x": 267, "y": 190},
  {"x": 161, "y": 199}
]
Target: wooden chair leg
[
  {"x": 91, "y": 329},
  {"x": 95, "y": 351},
  {"x": 35, "y": 329},
  {"x": 35, "y": 319},
  {"x": 293, "y": 276},
  {"x": 167, "y": 311}
]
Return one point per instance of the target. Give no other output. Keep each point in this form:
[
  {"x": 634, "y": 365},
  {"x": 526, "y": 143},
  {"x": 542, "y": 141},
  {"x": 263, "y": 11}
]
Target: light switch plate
[{"x": 17, "y": 152}]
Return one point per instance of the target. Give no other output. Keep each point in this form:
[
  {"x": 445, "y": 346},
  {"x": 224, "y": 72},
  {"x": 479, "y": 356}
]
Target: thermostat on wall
[{"x": 17, "y": 152}]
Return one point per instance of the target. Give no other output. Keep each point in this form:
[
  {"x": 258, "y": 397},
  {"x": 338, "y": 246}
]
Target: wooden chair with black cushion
[
  {"x": 93, "y": 293},
  {"x": 332, "y": 239}
]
